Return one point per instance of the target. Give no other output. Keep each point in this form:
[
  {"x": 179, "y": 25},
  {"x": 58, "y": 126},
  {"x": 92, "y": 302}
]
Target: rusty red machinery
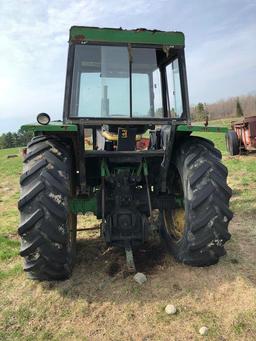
[{"x": 242, "y": 136}]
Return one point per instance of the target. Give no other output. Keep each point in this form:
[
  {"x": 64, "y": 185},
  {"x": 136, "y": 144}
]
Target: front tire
[
  {"x": 47, "y": 227},
  {"x": 195, "y": 233}
]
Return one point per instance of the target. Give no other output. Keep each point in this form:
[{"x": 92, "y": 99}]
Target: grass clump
[
  {"x": 12, "y": 272},
  {"x": 245, "y": 323},
  {"x": 8, "y": 248}
]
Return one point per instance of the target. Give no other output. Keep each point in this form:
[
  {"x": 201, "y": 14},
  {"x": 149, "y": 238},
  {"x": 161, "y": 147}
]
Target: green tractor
[{"x": 123, "y": 151}]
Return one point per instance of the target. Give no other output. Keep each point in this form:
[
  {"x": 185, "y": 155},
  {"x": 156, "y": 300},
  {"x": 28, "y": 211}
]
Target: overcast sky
[{"x": 220, "y": 47}]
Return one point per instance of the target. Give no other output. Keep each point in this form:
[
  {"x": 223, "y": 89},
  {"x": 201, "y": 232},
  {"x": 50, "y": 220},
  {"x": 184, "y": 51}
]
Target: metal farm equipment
[{"x": 242, "y": 137}]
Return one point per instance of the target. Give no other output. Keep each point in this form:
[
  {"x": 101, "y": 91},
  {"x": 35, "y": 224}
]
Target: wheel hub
[{"x": 175, "y": 222}]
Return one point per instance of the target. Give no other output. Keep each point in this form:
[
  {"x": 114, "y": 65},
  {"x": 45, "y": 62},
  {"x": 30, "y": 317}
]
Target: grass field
[{"x": 97, "y": 305}]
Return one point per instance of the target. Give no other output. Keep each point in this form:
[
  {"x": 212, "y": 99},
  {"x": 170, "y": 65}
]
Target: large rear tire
[
  {"x": 47, "y": 227},
  {"x": 195, "y": 234}
]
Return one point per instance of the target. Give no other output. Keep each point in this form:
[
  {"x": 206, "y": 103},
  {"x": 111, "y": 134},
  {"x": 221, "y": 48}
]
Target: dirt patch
[
  {"x": 113, "y": 269},
  {"x": 150, "y": 257}
]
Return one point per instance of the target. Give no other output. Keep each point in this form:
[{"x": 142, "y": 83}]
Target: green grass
[
  {"x": 242, "y": 175},
  {"x": 10, "y": 170},
  {"x": 245, "y": 323},
  {"x": 12, "y": 272},
  {"x": 217, "y": 138},
  {"x": 10, "y": 167},
  {"x": 8, "y": 248},
  {"x": 212, "y": 321}
]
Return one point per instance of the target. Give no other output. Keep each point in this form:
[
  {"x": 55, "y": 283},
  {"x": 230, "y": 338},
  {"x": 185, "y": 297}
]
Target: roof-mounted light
[{"x": 43, "y": 118}]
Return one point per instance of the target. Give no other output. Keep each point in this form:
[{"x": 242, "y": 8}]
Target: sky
[{"x": 220, "y": 47}]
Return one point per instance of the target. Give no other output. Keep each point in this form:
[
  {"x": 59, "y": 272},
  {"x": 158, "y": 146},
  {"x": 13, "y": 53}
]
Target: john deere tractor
[{"x": 125, "y": 152}]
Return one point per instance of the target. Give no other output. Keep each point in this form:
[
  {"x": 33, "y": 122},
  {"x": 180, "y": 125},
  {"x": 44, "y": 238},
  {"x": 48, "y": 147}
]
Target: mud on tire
[
  {"x": 203, "y": 180},
  {"x": 47, "y": 228}
]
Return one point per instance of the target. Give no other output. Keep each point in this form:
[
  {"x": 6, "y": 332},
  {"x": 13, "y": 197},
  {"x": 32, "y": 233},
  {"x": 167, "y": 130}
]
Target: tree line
[
  {"x": 231, "y": 107},
  {"x": 19, "y": 139}
]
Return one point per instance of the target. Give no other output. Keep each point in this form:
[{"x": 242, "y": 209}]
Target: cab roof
[{"x": 80, "y": 34}]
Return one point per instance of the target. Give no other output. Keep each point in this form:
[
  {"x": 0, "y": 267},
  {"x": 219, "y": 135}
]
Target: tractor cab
[
  {"x": 122, "y": 74},
  {"x": 123, "y": 83}
]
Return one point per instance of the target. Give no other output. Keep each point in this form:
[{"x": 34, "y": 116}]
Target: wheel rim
[
  {"x": 174, "y": 222},
  {"x": 174, "y": 218}
]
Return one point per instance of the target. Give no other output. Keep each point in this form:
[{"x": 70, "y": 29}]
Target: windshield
[{"x": 122, "y": 81}]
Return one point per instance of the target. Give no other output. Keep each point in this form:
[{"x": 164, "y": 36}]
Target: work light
[{"x": 43, "y": 118}]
